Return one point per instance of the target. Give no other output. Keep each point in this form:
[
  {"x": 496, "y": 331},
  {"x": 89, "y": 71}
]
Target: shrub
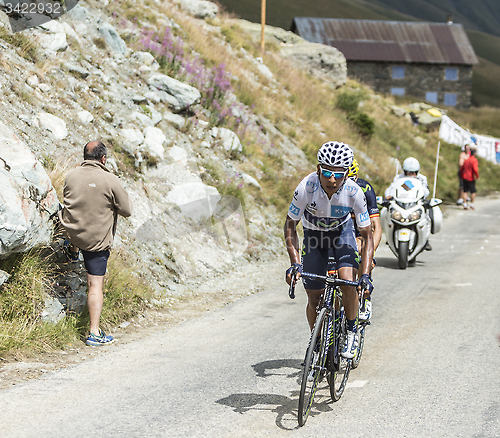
[
  {"x": 348, "y": 101},
  {"x": 364, "y": 123}
]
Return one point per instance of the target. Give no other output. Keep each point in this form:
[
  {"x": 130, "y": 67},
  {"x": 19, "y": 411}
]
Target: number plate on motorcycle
[{"x": 404, "y": 233}]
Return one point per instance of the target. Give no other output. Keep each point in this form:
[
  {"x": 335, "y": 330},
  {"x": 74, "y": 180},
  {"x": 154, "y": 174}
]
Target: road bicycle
[{"x": 323, "y": 356}]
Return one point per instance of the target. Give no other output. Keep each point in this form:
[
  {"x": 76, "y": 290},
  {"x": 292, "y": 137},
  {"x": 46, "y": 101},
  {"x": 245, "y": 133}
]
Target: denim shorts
[
  {"x": 96, "y": 262},
  {"x": 320, "y": 247}
]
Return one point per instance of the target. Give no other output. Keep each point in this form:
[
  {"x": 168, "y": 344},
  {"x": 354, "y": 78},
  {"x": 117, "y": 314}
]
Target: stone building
[{"x": 429, "y": 61}]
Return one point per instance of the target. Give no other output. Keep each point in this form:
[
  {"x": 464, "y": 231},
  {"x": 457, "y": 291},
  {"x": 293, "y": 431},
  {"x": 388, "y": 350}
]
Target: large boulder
[
  {"x": 180, "y": 95},
  {"x": 52, "y": 36},
  {"x": 27, "y": 198},
  {"x": 199, "y": 8},
  {"x": 322, "y": 61},
  {"x": 319, "y": 60}
]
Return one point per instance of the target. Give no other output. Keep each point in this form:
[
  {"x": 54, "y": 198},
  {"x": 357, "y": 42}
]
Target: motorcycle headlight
[
  {"x": 415, "y": 215},
  {"x": 396, "y": 215}
]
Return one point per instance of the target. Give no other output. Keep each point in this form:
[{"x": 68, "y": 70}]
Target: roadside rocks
[{"x": 27, "y": 198}]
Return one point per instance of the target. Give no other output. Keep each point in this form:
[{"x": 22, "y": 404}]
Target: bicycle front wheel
[
  {"x": 338, "y": 378},
  {"x": 361, "y": 344},
  {"x": 314, "y": 366}
]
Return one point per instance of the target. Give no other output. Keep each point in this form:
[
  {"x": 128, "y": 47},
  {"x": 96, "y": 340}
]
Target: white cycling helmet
[
  {"x": 335, "y": 154},
  {"x": 411, "y": 165}
]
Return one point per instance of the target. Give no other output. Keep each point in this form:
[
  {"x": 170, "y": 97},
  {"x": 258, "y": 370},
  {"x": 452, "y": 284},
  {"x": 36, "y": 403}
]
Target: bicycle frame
[{"x": 331, "y": 293}]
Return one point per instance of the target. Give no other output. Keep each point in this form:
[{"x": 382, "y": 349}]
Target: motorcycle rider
[
  {"x": 411, "y": 168},
  {"x": 323, "y": 201},
  {"x": 371, "y": 204}
]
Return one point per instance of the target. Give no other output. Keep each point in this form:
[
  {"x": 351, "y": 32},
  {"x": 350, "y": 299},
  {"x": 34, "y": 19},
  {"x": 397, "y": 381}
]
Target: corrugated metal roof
[{"x": 391, "y": 41}]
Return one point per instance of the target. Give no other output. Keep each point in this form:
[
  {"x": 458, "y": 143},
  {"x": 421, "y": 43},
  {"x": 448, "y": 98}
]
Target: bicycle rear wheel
[
  {"x": 314, "y": 367},
  {"x": 338, "y": 378}
]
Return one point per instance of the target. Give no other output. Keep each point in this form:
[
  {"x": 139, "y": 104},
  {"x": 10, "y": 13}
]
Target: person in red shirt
[
  {"x": 461, "y": 160},
  {"x": 470, "y": 173}
]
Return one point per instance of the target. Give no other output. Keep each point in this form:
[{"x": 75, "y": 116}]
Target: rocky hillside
[
  {"x": 208, "y": 134},
  {"x": 183, "y": 148}
]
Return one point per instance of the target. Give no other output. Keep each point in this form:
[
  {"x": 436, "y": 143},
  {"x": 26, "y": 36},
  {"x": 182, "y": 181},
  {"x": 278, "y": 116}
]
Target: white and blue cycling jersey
[{"x": 311, "y": 204}]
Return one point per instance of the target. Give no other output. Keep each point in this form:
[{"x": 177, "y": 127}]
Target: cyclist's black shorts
[
  {"x": 96, "y": 262},
  {"x": 319, "y": 245}
]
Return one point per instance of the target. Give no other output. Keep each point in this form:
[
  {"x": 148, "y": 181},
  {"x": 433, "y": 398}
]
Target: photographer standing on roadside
[{"x": 93, "y": 199}]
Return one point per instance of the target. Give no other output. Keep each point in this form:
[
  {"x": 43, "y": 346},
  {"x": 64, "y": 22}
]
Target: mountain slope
[
  {"x": 483, "y": 15},
  {"x": 280, "y": 13},
  {"x": 481, "y": 20}
]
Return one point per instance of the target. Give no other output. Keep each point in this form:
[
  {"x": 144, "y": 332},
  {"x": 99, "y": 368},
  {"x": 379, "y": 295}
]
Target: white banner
[{"x": 487, "y": 147}]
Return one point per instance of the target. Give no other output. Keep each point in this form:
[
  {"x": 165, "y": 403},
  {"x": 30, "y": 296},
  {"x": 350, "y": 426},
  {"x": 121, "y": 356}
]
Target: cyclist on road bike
[
  {"x": 323, "y": 201},
  {"x": 371, "y": 203}
]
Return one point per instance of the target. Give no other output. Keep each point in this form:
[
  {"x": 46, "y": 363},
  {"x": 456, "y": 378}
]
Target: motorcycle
[{"x": 408, "y": 219}]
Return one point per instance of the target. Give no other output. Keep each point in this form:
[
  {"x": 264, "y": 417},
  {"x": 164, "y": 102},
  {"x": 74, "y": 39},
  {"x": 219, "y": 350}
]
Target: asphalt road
[{"x": 430, "y": 368}]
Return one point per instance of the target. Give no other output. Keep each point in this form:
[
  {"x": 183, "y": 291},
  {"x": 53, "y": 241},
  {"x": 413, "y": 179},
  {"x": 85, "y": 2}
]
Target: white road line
[
  {"x": 356, "y": 384},
  {"x": 463, "y": 284}
]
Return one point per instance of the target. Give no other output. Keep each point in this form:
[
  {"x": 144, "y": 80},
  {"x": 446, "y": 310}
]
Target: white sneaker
[
  {"x": 366, "y": 313},
  {"x": 460, "y": 201},
  {"x": 350, "y": 345}
]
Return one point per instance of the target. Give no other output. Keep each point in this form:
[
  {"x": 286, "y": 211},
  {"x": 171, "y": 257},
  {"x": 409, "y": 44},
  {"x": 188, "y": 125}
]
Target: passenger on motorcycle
[
  {"x": 371, "y": 203},
  {"x": 411, "y": 167},
  {"x": 323, "y": 201}
]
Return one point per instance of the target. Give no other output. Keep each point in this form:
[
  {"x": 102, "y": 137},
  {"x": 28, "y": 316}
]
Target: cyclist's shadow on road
[{"x": 285, "y": 407}]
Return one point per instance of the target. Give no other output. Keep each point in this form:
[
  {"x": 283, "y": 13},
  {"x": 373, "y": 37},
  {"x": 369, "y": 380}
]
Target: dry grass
[{"x": 57, "y": 171}]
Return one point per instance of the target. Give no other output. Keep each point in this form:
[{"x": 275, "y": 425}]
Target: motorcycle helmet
[
  {"x": 411, "y": 165},
  {"x": 335, "y": 154},
  {"x": 353, "y": 169}
]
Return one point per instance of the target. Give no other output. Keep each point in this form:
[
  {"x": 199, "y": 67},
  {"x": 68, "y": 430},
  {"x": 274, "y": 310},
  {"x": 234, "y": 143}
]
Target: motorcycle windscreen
[{"x": 409, "y": 189}]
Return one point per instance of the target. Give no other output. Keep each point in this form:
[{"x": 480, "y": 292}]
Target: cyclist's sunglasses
[{"x": 328, "y": 173}]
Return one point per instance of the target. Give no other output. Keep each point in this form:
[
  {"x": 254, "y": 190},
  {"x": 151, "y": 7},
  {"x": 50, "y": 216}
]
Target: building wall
[{"x": 418, "y": 81}]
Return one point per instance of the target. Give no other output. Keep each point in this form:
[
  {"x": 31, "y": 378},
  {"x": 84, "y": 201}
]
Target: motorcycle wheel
[{"x": 403, "y": 255}]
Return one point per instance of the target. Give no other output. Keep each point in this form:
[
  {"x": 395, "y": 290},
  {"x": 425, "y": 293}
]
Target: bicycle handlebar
[{"x": 329, "y": 281}]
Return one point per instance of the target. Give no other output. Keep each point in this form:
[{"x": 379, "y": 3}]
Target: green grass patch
[
  {"x": 22, "y": 301},
  {"x": 126, "y": 294},
  {"x": 22, "y": 298}
]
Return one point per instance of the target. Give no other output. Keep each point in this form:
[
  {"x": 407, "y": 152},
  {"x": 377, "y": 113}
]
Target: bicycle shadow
[{"x": 285, "y": 407}]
